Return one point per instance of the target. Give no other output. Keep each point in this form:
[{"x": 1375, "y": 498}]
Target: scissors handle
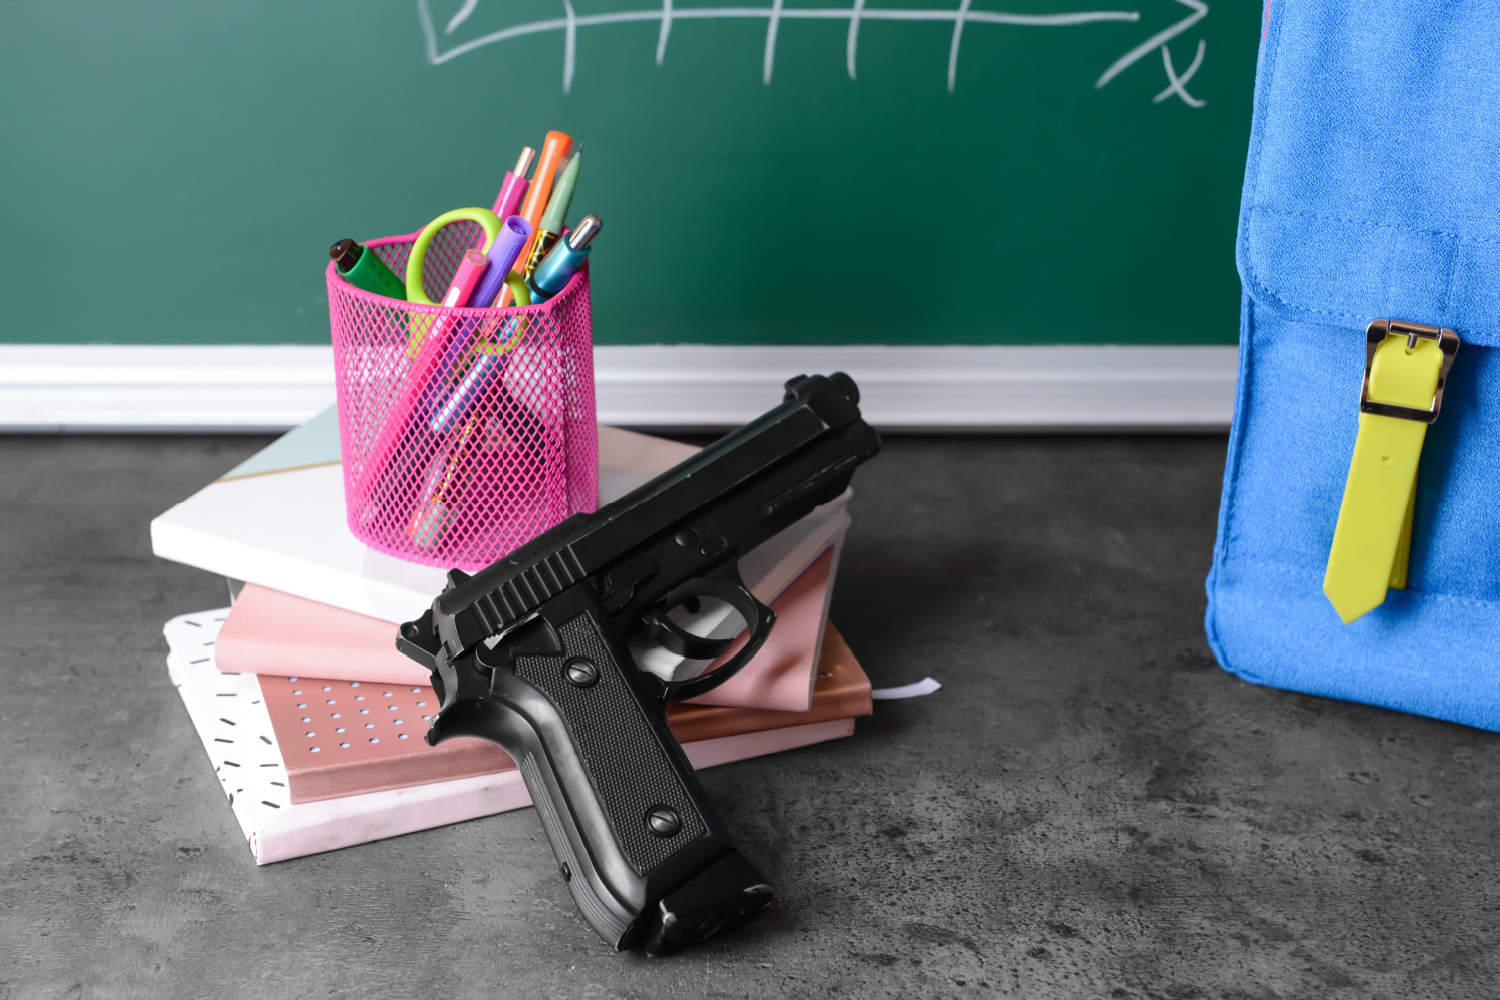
[{"x": 414, "y": 264}]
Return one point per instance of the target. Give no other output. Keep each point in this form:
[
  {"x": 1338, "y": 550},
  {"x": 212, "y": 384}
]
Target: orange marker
[{"x": 555, "y": 149}]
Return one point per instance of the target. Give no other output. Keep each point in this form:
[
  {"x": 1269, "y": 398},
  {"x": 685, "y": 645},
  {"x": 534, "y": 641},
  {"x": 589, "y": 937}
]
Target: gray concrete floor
[{"x": 1089, "y": 807}]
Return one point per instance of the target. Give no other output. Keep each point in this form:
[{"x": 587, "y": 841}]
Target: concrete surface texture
[{"x": 1088, "y": 808}]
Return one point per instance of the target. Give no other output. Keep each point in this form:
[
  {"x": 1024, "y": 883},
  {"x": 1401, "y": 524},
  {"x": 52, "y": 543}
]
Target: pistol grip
[{"x": 645, "y": 857}]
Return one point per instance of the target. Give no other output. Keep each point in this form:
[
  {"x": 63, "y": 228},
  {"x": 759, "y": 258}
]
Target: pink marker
[
  {"x": 421, "y": 384},
  {"x": 464, "y": 280},
  {"x": 515, "y": 185}
]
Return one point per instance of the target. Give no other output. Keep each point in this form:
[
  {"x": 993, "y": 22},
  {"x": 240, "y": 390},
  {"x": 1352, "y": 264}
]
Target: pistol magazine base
[{"x": 727, "y": 895}]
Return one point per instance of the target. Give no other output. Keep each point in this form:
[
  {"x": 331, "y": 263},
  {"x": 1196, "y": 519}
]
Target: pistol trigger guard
[
  {"x": 759, "y": 619},
  {"x": 658, "y": 628}
]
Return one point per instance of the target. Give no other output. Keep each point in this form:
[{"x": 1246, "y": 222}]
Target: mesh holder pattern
[{"x": 464, "y": 432}]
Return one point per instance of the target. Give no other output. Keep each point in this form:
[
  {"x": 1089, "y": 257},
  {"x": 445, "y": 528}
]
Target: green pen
[
  {"x": 557, "y": 212},
  {"x": 366, "y": 270}
]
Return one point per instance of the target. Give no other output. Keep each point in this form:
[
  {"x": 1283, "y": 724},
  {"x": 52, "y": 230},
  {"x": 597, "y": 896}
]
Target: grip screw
[
  {"x": 663, "y": 821},
  {"x": 581, "y": 673}
]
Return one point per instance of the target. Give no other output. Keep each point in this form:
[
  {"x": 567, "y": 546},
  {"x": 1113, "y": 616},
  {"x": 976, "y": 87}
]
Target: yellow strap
[
  {"x": 1374, "y": 526},
  {"x": 1403, "y": 544}
]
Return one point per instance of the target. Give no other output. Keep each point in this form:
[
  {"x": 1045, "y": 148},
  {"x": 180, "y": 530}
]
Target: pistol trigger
[{"x": 660, "y": 629}]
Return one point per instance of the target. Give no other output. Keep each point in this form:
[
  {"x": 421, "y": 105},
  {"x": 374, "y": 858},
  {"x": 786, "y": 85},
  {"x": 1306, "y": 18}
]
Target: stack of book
[{"x": 315, "y": 724}]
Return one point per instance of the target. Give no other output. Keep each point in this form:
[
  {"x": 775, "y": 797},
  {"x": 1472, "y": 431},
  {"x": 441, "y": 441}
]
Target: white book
[
  {"x": 236, "y": 731},
  {"x": 278, "y": 520}
]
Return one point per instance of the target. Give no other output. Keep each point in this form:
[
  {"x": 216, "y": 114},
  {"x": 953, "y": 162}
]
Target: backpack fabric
[{"x": 1372, "y": 190}]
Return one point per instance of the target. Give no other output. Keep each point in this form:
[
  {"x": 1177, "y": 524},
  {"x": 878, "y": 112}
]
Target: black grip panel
[
  {"x": 645, "y": 857},
  {"x": 621, "y": 751}
]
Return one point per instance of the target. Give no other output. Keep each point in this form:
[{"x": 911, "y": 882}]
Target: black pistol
[{"x": 531, "y": 653}]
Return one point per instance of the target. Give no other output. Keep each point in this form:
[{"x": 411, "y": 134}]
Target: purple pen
[{"x": 503, "y": 253}]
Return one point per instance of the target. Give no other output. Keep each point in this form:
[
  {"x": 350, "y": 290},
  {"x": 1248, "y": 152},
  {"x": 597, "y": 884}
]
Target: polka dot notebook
[{"x": 233, "y": 716}]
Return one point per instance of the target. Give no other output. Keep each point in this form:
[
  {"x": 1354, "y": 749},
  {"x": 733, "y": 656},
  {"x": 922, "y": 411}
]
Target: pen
[
  {"x": 449, "y": 476},
  {"x": 473, "y": 345},
  {"x": 555, "y": 149},
  {"x": 435, "y": 509},
  {"x": 556, "y": 214},
  {"x": 391, "y": 455},
  {"x": 503, "y": 254},
  {"x": 438, "y": 504},
  {"x": 497, "y": 275},
  {"x": 476, "y": 382},
  {"x": 465, "y": 278},
  {"x": 484, "y": 358},
  {"x": 514, "y": 186},
  {"x": 459, "y": 290},
  {"x": 365, "y": 270},
  {"x": 430, "y": 351},
  {"x": 559, "y": 266}
]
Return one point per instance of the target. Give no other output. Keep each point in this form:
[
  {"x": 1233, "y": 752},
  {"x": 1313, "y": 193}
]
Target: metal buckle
[{"x": 1375, "y": 335}]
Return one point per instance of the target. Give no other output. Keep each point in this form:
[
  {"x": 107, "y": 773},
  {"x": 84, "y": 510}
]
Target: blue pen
[
  {"x": 457, "y": 407},
  {"x": 564, "y": 260},
  {"x": 486, "y": 369}
]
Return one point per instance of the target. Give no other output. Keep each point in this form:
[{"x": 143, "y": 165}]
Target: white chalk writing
[{"x": 777, "y": 12}]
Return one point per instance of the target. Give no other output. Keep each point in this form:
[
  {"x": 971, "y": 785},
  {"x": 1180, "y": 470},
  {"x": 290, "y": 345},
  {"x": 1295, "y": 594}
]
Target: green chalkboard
[{"x": 886, "y": 171}]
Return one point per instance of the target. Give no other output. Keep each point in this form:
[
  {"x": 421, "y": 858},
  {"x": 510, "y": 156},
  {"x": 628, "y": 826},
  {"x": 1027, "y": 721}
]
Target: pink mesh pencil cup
[{"x": 464, "y": 432}]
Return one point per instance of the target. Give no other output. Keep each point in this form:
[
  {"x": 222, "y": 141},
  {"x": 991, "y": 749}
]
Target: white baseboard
[
  {"x": 929, "y": 388},
  {"x": 120, "y": 388}
]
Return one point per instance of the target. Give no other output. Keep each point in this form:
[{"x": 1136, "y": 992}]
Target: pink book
[
  {"x": 229, "y": 712},
  {"x": 341, "y": 738},
  {"x": 271, "y": 632}
]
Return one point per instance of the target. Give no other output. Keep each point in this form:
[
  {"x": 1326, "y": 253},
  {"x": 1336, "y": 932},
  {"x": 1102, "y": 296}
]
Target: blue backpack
[{"x": 1372, "y": 192}]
